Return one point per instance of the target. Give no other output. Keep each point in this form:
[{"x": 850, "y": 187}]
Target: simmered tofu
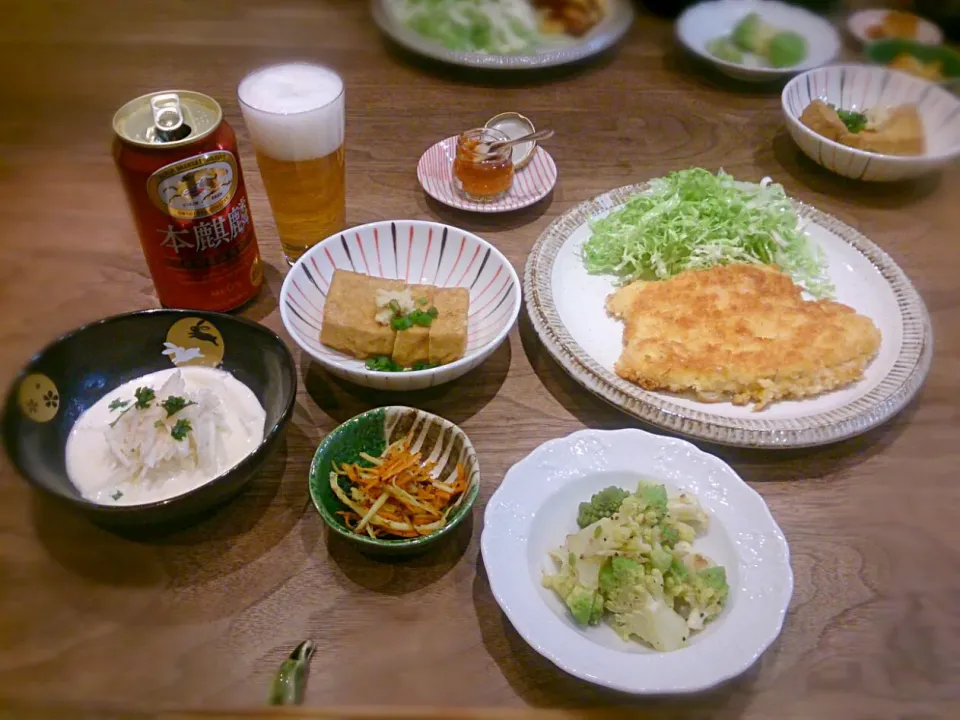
[
  {"x": 413, "y": 345},
  {"x": 349, "y": 323},
  {"x": 901, "y": 133},
  {"x": 824, "y": 120},
  {"x": 448, "y": 333}
]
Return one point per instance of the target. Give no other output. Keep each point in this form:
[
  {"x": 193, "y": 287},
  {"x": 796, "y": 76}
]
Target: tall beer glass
[{"x": 295, "y": 115}]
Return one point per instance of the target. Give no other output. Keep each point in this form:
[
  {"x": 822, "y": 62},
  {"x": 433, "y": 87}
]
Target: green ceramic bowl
[
  {"x": 883, "y": 52},
  {"x": 371, "y": 432}
]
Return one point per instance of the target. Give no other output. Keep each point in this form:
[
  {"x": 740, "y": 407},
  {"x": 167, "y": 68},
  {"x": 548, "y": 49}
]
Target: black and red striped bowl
[{"x": 417, "y": 251}]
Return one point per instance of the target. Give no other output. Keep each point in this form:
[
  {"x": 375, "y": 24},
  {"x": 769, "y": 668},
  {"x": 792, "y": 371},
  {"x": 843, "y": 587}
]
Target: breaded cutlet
[{"x": 740, "y": 333}]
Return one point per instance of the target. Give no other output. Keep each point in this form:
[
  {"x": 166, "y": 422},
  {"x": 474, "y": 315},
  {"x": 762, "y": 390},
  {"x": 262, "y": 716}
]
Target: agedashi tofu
[
  {"x": 448, "y": 332},
  {"x": 349, "y": 316},
  {"x": 413, "y": 344}
]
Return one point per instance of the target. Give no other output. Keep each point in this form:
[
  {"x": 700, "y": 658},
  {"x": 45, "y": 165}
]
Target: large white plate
[
  {"x": 602, "y": 37},
  {"x": 534, "y": 509},
  {"x": 577, "y": 331}
]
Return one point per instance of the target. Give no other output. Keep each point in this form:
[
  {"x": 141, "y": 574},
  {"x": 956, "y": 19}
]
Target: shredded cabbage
[
  {"x": 498, "y": 27},
  {"x": 693, "y": 219}
]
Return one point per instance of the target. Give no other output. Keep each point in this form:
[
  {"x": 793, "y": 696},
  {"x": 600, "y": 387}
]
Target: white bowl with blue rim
[
  {"x": 704, "y": 22},
  {"x": 864, "y": 87},
  {"x": 417, "y": 251}
]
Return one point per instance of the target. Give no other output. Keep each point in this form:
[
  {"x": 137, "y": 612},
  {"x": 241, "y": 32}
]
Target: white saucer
[{"x": 530, "y": 184}]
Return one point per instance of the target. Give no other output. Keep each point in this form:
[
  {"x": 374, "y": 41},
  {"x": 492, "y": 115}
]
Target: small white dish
[
  {"x": 862, "y": 87},
  {"x": 417, "y": 251},
  {"x": 531, "y": 183},
  {"x": 703, "y": 22},
  {"x": 534, "y": 509},
  {"x": 859, "y": 24}
]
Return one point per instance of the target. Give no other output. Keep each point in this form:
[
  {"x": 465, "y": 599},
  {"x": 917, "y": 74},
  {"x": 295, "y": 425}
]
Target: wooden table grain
[{"x": 201, "y": 618}]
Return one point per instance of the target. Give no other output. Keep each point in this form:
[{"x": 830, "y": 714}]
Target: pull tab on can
[{"x": 168, "y": 124}]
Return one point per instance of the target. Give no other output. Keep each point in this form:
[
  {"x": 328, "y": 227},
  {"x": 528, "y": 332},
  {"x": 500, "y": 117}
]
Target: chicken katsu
[{"x": 741, "y": 333}]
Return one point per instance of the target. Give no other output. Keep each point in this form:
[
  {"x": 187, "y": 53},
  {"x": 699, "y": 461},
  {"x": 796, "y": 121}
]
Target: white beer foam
[{"x": 293, "y": 112}]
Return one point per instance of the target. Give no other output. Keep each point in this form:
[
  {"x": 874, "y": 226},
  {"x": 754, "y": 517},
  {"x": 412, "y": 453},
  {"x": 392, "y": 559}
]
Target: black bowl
[{"x": 72, "y": 373}]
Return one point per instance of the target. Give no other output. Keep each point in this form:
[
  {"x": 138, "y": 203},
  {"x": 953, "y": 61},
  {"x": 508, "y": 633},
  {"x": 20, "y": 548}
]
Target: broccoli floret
[
  {"x": 602, "y": 505},
  {"x": 661, "y": 559},
  {"x": 786, "y": 49},
  {"x": 724, "y": 49},
  {"x": 711, "y": 587},
  {"x": 669, "y": 536},
  {"x": 654, "y": 497},
  {"x": 585, "y": 605},
  {"x": 679, "y": 570},
  {"x": 619, "y": 574},
  {"x": 714, "y": 577},
  {"x": 753, "y": 35}
]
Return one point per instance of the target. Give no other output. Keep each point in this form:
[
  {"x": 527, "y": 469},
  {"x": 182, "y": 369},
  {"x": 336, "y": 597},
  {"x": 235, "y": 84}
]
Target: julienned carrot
[{"x": 396, "y": 494}]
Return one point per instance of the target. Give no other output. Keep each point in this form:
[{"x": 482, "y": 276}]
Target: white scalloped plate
[
  {"x": 534, "y": 509},
  {"x": 566, "y": 306},
  {"x": 599, "y": 39}
]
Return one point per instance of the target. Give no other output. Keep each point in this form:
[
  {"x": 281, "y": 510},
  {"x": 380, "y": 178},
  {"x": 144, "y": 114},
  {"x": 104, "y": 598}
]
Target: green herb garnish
[
  {"x": 383, "y": 364},
  {"x": 160, "y": 425},
  {"x": 401, "y": 322},
  {"x": 145, "y": 396},
  {"x": 175, "y": 404},
  {"x": 422, "y": 302},
  {"x": 180, "y": 429},
  {"x": 855, "y": 121},
  {"x": 117, "y": 404},
  {"x": 423, "y": 318}
]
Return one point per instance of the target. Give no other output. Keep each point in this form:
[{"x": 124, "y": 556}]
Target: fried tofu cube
[
  {"x": 349, "y": 316},
  {"x": 413, "y": 344},
  {"x": 824, "y": 120},
  {"x": 448, "y": 332},
  {"x": 901, "y": 134}
]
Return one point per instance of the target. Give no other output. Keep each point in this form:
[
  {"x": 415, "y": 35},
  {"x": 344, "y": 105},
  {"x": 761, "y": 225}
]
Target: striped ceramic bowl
[
  {"x": 417, "y": 251},
  {"x": 862, "y": 87}
]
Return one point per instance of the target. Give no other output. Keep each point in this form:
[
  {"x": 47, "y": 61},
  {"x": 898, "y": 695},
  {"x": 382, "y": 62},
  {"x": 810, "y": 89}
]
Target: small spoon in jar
[{"x": 489, "y": 148}]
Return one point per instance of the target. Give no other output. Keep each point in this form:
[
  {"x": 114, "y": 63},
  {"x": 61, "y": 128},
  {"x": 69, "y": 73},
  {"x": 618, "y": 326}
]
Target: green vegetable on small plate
[
  {"x": 769, "y": 45},
  {"x": 634, "y": 566}
]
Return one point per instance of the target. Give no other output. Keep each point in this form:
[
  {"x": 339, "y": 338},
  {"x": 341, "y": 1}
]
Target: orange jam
[{"x": 482, "y": 177}]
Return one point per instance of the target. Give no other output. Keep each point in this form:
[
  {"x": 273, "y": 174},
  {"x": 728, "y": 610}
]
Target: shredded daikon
[{"x": 149, "y": 443}]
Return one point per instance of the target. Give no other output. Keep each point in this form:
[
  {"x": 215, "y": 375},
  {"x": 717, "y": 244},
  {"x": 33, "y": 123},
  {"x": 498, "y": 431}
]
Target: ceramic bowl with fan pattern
[{"x": 417, "y": 251}]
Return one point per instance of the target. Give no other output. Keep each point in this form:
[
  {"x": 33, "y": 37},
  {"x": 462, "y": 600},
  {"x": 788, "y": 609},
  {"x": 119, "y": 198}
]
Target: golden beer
[{"x": 295, "y": 115}]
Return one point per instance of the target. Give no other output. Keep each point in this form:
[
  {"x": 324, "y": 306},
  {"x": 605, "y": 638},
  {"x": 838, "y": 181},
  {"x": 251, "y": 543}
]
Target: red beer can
[{"x": 180, "y": 167}]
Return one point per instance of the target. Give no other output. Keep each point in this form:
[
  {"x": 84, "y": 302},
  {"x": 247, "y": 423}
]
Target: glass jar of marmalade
[{"x": 478, "y": 176}]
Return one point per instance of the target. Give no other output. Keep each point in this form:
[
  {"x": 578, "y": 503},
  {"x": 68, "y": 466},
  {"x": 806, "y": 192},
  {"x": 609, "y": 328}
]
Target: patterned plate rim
[
  {"x": 605, "y": 36},
  {"x": 492, "y": 207},
  {"x": 877, "y": 406}
]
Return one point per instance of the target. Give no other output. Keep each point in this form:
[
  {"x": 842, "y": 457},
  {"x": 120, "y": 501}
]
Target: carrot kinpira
[{"x": 397, "y": 494}]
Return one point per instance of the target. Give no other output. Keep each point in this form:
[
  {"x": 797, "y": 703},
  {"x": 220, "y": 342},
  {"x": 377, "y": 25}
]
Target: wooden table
[{"x": 202, "y": 618}]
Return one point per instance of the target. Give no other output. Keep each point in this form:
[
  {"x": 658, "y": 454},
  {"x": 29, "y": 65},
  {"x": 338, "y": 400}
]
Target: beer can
[{"x": 178, "y": 160}]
